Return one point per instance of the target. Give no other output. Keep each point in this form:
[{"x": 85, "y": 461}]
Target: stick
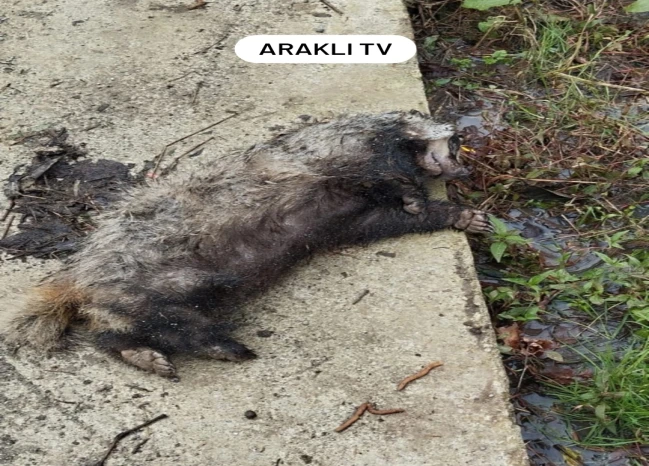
[
  {"x": 164, "y": 151},
  {"x": 337, "y": 10},
  {"x": 139, "y": 446},
  {"x": 202, "y": 129},
  {"x": 198, "y": 89},
  {"x": 173, "y": 164},
  {"x": 218, "y": 42},
  {"x": 360, "y": 296},
  {"x": 126, "y": 433},
  {"x": 137, "y": 387},
  {"x": 355, "y": 417},
  {"x": 601, "y": 83},
  {"x": 12, "y": 203},
  {"x": 181, "y": 77},
  {"x": 6, "y": 230},
  {"x": 419, "y": 374}
]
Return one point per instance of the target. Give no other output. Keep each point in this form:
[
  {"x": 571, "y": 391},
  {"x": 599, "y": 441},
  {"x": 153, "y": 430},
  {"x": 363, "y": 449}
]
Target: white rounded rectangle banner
[{"x": 325, "y": 49}]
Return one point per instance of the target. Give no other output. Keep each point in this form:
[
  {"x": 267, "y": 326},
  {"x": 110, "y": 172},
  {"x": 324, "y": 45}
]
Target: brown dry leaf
[
  {"x": 510, "y": 336},
  {"x": 536, "y": 347},
  {"x": 563, "y": 374}
]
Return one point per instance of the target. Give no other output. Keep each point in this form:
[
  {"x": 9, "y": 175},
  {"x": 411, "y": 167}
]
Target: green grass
[
  {"x": 612, "y": 410},
  {"x": 564, "y": 81}
]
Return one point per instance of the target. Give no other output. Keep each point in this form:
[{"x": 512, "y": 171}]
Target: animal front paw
[
  {"x": 150, "y": 360},
  {"x": 473, "y": 221},
  {"x": 228, "y": 350}
]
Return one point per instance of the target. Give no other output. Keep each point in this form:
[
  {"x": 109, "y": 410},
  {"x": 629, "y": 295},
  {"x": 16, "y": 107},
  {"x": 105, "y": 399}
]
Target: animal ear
[{"x": 454, "y": 143}]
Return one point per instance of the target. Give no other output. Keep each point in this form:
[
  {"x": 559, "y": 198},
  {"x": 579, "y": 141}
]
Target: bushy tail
[{"x": 45, "y": 317}]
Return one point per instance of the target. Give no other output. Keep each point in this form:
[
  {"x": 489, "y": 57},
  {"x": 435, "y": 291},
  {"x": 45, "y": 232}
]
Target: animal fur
[{"x": 165, "y": 268}]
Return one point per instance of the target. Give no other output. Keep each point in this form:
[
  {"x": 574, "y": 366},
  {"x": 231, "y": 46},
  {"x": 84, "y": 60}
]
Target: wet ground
[
  {"x": 560, "y": 342},
  {"x": 547, "y": 340}
]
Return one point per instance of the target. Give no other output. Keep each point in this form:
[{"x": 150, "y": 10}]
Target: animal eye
[{"x": 454, "y": 143}]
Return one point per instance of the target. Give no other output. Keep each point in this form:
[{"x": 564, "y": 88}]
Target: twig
[
  {"x": 511, "y": 177},
  {"x": 203, "y": 129},
  {"x": 91, "y": 127},
  {"x": 494, "y": 25},
  {"x": 67, "y": 402},
  {"x": 520, "y": 380},
  {"x": 600, "y": 83},
  {"x": 336, "y": 9},
  {"x": 173, "y": 164},
  {"x": 138, "y": 447},
  {"x": 199, "y": 84},
  {"x": 419, "y": 374},
  {"x": 6, "y": 213},
  {"x": 218, "y": 42},
  {"x": 164, "y": 151},
  {"x": 126, "y": 433},
  {"x": 181, "y": 77},
  {"x": 360, "y": 296},
  {"x": 137, "y": 387},
  {"x": 355, "y": 417},
  {"x": 6, "y": 230},
  {"x": 572, "y": 225}
]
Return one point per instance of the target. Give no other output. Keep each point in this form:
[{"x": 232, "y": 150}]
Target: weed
[
  {"x": 565, "y": 83},
  {"x": 503, "y": 239},
  {"x": 613, "y": 409}
]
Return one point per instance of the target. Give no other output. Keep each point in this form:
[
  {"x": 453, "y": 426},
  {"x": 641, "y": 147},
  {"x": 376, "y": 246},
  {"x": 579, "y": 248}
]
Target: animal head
[{"x": 436, "y": 146}]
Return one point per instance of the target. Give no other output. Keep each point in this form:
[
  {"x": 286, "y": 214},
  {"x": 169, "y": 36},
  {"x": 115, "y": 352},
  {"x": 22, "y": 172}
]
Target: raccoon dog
[{"x": 163, "y": 270}]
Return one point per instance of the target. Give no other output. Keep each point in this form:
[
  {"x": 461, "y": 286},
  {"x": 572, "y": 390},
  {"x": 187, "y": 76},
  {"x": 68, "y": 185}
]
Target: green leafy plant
[
  {"x": 503, "y": 238},
  {"x": 499, "y": 56},
  {"x": 491, "y": 23},
  {"x": 612, "y": 409},
  {"x": 639, "y": 6},
  {"x": 430, "y": 43},
  {"x": 567, "y": 144},
  {"x": 462, "y": 63},
  {"x": 486, "y": 4}
]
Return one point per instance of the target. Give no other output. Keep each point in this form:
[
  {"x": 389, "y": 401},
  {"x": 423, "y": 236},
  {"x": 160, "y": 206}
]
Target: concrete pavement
[{"x": 126, "y": 77}]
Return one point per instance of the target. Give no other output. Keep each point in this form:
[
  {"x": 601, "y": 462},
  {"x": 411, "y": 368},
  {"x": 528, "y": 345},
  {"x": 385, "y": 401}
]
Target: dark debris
[{"x": 57, "y": 196}]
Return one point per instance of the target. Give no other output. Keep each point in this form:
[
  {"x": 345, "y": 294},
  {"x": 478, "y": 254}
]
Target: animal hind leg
[{"x": 164, "y": 324}]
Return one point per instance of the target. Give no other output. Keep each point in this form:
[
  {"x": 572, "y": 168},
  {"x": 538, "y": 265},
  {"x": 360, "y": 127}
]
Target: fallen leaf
[
  {"x": 510, "y": 336},
  {"x": 536, "y": 347},
  {"x": 554, "y": 355}
]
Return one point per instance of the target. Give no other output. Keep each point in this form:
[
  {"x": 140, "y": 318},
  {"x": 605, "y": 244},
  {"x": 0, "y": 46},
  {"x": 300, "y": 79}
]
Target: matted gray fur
[{"x": 166, "y": 267}]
